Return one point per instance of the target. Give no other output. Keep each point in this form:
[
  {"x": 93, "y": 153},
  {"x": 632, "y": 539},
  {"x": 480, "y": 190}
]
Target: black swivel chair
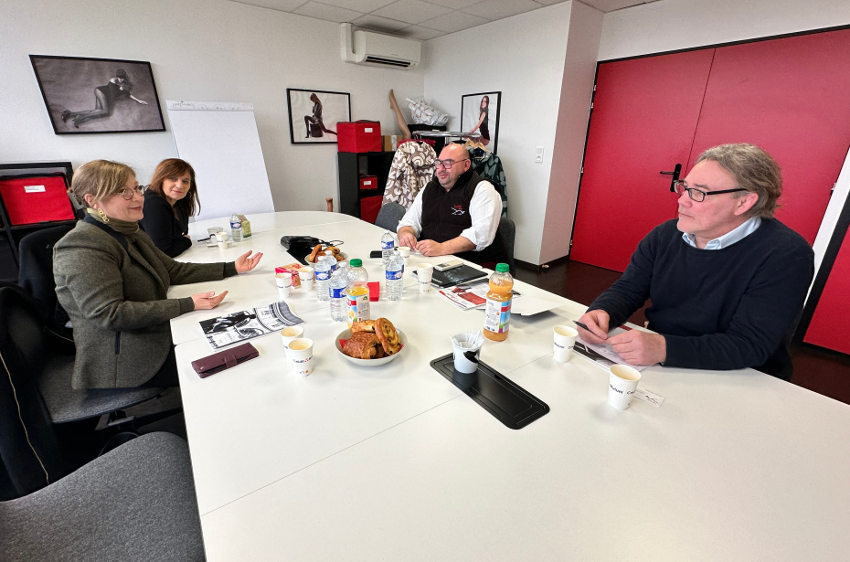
[
  {"x": 507, "y": 233},
  {"x": 35, "y": 275},
  {"x": 389, "y": 215},
  {"x": 36, "y": 393}
]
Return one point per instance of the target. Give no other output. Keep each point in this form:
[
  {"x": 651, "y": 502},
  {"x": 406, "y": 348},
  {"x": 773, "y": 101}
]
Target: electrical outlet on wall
[{"x": 538, "y": 155}]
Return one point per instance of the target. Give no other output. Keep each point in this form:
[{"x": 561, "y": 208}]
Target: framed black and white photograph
[
  {"x": 479, "y": 114},
  {"x": 85, "y": 95},
  {"x": 313, "y": 115}
]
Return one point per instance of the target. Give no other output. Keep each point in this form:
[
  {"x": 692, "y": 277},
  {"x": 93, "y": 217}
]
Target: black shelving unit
[
  {"x": 12, "y": 234},
  {"x": 351, "y": 166}
]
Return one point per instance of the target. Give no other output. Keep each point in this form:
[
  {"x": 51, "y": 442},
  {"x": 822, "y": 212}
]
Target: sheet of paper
[{"x": 602, "y": 354}]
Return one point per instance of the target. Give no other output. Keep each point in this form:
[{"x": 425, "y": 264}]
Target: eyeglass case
[{"x": 217, "y": 362}]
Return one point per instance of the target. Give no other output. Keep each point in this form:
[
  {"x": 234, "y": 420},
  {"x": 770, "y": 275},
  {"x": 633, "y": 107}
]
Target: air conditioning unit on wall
[{"x": 377, "y": 49}]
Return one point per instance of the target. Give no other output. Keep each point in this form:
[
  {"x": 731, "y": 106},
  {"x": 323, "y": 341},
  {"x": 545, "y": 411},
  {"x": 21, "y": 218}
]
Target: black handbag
[{"x": 301, "y": 246}]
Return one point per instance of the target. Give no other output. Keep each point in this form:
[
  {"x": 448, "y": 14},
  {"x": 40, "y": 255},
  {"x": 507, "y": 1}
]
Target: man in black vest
[{"x": 456, "y": 213}]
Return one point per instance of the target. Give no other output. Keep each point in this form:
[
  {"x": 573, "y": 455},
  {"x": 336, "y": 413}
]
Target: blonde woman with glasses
[{"x": 112, "y": 281}]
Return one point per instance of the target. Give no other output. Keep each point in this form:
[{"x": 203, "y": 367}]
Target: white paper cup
[
  {"x": 284, "y": 284},
  {"x": 424, "y": 271},
  {"x": 622, "y": 383},
  {"x": 466, "y": 352},
  {"x": 306, "y": 274},
  {"x": 299, "y": 353},
  {"x": 222, "y": 240},
  {"x": 564, "y": 341},
  {"x": 404, "y": 251},
  {"x": 290, "y": 333}
]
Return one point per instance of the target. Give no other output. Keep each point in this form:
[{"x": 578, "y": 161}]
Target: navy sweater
[{"x": 718, "y": 309}]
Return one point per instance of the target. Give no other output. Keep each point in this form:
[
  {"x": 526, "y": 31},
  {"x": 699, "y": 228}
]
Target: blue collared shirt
[{"x": 736, "y": 235}]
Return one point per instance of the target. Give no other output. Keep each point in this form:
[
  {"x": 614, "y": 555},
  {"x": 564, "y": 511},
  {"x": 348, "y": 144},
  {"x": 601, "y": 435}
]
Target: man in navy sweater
[{"x": 727, "y": 281}]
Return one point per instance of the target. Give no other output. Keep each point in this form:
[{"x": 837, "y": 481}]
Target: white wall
[
  {"x": 573, "y": 115},
  {"x": 204, "y": 50},
  {"x": 680, "y": 24},
  {"x": 523, "y": 57}
]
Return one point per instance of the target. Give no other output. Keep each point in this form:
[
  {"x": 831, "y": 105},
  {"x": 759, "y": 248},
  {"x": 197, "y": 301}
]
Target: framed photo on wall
[
  {"x": 85, "y": 95},
  {"x": 313, "y": 115},
  {"x": 479, "y": 113}
]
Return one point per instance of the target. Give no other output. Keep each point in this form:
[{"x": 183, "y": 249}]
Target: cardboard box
[
  {"x": 390, "y": 143},
  {"x": 359, "y": 136},
  {"x": 368, "y": 182},
  {"x": 35, "y": 199},
  {"x": 246, "y": 226}
]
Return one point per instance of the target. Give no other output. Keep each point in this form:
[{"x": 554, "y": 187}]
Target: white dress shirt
[{"x": 485, "y": 209}]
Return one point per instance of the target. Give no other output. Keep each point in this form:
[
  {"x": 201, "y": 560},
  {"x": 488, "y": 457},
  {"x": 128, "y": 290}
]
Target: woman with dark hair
[
  {"x": 114, "y": 282},
  {"x": 119, "y": 86},
  {"x": 314, "y": 122},
  {"x": 170, "y": 199},
  {"x": 483, "y": 121}
]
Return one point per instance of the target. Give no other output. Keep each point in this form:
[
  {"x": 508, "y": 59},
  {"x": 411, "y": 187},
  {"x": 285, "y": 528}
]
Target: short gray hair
[{"x": 754, "y": 170}]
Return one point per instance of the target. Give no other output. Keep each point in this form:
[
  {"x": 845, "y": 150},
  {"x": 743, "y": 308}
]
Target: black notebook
[{"x": 456, "y": 276}]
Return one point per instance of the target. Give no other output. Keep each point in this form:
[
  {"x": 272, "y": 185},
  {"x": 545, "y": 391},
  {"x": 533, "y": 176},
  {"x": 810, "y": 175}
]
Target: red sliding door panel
[
  {"x": 790, "y": 96},
  {"x": 644, "y": 117},
  {"x": 828, "y": 327}
]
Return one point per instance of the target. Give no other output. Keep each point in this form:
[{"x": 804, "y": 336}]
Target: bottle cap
[
  {"x": 502, "y": 267},
  {"x": 356, "y": 262}
]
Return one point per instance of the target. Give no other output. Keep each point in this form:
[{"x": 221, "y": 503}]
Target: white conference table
[{"x": 397, "y": 463}]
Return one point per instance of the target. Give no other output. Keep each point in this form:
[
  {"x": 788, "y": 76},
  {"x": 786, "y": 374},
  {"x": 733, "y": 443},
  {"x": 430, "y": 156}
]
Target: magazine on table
[
  {"x": 246, "y": 324},
  {"x": 472, "y": 295}
]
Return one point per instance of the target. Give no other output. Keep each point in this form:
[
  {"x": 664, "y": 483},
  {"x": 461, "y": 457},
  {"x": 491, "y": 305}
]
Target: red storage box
[
  {"x": 34, "y": 199},
  {"x": 369, "y": 207},
  {"x": 369, "y": 182},
  {"x": 359, "y": 136}
]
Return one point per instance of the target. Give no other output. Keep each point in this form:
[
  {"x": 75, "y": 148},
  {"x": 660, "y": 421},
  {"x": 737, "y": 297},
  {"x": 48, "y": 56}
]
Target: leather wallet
[{"x": 212, "y": 364}]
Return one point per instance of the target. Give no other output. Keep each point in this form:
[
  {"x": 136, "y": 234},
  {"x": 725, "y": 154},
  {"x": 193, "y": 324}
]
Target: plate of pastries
[
  {"x": 371, "y": 342},
  {"x": 320, "y": 250}
]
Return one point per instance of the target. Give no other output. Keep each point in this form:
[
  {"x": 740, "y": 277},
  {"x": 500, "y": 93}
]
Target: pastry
[
  {"x": 387, "y": 335},
  {"x": 363, "y": 326},
  {"x": 314, "y": 254},
  {"x": 363, "y": 345}
]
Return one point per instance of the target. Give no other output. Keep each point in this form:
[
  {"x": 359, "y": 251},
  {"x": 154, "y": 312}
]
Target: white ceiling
[{"x": 421, "y": 19}]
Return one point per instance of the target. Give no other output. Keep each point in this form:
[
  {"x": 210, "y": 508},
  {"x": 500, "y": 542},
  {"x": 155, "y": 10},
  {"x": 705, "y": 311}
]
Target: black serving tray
[{"x": 503, "y": 398}]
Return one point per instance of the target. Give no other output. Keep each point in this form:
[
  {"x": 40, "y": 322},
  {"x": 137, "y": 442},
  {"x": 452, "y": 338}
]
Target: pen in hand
[{"x": 584, "y": 326}]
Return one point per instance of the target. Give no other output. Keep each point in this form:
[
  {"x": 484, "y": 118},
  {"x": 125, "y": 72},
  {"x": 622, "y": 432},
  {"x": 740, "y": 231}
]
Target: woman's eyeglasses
[{"x": 128, "y": 192}]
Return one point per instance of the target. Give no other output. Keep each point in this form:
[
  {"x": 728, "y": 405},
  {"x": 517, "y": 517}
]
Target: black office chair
[
  {"x": 37, "y": 374},
  {"x": 389, "y": 215},
  {"x": 507, "y": 233},
  {"x": 35, "y": 274},
  {"x": 136, "y": 502}
]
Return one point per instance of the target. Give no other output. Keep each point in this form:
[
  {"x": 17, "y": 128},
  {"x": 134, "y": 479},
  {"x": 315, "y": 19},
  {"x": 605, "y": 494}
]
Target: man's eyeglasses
[
  {"x": 448, "y": 163},
  {"x": 699, "y": 195},
  {"x": 128, "y": 192}
]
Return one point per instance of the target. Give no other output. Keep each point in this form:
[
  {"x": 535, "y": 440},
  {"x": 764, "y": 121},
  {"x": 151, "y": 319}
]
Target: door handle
[{"x": 675, "y": 173}]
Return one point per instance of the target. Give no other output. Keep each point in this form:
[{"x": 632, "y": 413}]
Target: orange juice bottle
[
  {"x": 357, "y": 292},
  {"x": 497, "y": 312}
]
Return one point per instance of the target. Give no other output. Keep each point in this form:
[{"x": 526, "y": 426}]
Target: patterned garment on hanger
[
  {"x": 488, "y": 166},
  {"x": 412, "y": 168}
]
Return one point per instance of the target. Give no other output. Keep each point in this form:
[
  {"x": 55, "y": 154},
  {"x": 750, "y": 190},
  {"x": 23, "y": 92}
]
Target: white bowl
[{"x": 345, "y": 334}]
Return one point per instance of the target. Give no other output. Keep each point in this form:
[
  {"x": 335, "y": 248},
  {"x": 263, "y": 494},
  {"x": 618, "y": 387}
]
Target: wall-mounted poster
[
  {"x": 313, "y": 115},
  {"x": 85, "y": 95},
  {"x": 479, "y": 113}
]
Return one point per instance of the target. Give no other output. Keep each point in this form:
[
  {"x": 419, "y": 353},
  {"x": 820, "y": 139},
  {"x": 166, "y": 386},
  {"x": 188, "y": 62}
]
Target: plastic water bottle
[
  {"x": 387, "y": 246},
  {"x": 235, "y": 228},
  {"x": 357, "y": 292},
  {"x": 394, "y": 272},
  {"x": 323, "y": 278},
  {"x": 497, "y": 311},
  {"x": 339, "y": 283},
  {"x": 329, "y": 255}
]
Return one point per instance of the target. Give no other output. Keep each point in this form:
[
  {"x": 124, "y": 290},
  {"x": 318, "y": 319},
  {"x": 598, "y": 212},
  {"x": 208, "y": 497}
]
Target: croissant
[
  {"x": 363, "y": 326},
  {"x": 363, "y": 345}
]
